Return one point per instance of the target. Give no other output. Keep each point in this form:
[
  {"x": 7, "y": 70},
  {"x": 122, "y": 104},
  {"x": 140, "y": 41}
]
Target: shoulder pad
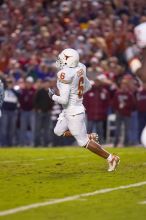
[
  {"x": 65, "y": 76},
  {"x": 81, "y": 65}
]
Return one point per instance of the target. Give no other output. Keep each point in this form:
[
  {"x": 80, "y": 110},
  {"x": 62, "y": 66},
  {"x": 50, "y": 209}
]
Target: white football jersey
[{"x": 74, "y": 82}]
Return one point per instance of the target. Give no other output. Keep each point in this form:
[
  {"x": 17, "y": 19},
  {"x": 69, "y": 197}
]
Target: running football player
[{"x": 72, "y": 83}]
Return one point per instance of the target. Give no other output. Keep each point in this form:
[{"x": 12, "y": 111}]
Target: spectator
[
  {"x": 43, "y": 105},
  {"x": 9, "y": 114},
  {"x": 27, "y": 117},
  {"x": 133, "y": 86},
  {"x": 93, "y": 69},
  {"x": 123, "y": 104}
]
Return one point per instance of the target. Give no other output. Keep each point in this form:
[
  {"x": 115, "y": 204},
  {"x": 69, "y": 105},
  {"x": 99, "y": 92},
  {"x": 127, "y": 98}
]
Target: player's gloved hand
[
  {"x": 51, "y": 92},
  {"x": 1, "y": 93}
]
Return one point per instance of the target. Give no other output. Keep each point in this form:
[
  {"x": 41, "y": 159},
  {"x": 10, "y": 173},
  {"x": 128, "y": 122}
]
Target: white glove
[
  {"x": 140, "y": 34},
  {"x": 51, "y": 92}
]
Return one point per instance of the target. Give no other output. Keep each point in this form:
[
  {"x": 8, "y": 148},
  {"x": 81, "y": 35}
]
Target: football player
[{"x": 72, "y": 83}]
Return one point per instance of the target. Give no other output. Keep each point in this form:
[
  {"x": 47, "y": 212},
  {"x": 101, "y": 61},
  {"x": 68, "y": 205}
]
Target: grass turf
[{"x": 30, "y": 176}]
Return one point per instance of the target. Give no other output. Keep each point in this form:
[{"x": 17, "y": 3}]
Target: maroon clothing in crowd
[
  {"x": 123, "y": 102},
  {"x": 96, "y": 102},
  {"x": 141, "y": 100},
  {"x": 26, "y": 99}
]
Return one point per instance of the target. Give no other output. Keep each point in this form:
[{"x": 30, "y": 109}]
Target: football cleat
[
  {"x": 113, "y": 163},
  {"x": 94, "y": 137}
]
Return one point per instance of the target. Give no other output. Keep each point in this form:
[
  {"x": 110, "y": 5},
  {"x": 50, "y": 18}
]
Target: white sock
[{"x": 110, "y": 157}]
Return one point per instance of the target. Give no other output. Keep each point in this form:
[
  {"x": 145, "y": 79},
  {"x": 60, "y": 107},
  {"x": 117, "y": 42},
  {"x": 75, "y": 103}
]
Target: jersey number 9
[{"x": 81, "y": 87}]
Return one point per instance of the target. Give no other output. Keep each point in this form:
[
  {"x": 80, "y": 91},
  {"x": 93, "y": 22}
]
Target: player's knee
[
  {"x": 82, "y": 143},
  {"x": 57, "y": 131}
]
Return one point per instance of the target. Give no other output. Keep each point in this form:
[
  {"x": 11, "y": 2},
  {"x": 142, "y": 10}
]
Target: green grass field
[{"x": 29, "y": 176}]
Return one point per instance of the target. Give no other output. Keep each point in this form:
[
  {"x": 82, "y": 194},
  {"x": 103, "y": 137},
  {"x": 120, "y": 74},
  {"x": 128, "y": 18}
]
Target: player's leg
[
  {"x": 61, "y": 126},
  {"x": 91, "y": 136},
  {"x": 61, "y": 129},
  {"x": 77, "y": 127},
  {"x": 96, "y": 148}
]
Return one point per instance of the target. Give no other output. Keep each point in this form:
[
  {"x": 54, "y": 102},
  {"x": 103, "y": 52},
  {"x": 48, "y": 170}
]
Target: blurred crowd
[{"x": 32, "y": 33}]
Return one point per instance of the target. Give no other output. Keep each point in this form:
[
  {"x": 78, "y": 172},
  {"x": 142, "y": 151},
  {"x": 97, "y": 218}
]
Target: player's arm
[
  {"x": 64, "y": 79},
  {"x": 64, "y": 91}
]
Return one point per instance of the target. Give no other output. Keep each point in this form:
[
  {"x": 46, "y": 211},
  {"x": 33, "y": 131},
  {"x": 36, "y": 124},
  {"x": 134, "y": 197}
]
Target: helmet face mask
[
  {"x": 68, "y": 57},
  {"x": 59, "y": 63}
]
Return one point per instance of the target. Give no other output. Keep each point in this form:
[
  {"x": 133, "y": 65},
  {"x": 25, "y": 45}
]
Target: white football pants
[{"x": 75, "y": 124}]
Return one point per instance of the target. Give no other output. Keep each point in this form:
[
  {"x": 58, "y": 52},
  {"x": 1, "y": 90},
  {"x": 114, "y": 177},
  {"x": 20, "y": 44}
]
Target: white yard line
[
  {"x": 41, "y": 159},
  {"x": 65, "y": 157},
  {"x": 67, "y": 199},
  {"x": 142, "y": 203},
  {"x": 8, "y": 161},
  {"x": 28, "y": 164},
  {"x": 16, "y": 161},
  {"x": 38, "y": 159}
]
